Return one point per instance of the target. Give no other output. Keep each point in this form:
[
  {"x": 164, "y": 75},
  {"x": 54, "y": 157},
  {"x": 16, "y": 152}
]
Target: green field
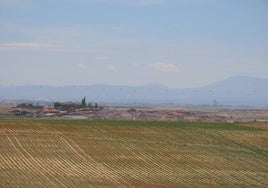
[{"x": 83, "y": 153}]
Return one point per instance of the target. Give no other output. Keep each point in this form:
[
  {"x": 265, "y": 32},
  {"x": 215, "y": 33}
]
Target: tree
[
  {"x": 96, "y": 105},
  {"x": 57, "y": 105},
  {"x": 89, "y": 105},
  {"x": 22, "y": 105},
  {"x": 83, "y": 103}
]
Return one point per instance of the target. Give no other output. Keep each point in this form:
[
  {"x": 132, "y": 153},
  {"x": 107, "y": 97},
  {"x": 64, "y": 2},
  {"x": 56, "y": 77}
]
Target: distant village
[
  {"x": 58, "y": 109},
  {"x": 94, "y": 111}
]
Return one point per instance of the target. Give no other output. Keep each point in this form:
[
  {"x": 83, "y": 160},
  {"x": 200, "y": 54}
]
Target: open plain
[{"x": 87, "y": 153}]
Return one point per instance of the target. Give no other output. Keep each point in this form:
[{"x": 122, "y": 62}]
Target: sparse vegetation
[
  {"x": 29, "y": 106},
  {"x": 68, "y": 105}
]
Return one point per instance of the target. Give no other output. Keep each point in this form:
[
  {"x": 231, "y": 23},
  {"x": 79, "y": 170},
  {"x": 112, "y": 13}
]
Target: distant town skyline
[{"x": 176, "y": 43}]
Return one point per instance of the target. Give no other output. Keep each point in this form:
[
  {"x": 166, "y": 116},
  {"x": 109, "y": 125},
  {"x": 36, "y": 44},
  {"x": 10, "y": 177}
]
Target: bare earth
[{"x": 82, "y": 153}]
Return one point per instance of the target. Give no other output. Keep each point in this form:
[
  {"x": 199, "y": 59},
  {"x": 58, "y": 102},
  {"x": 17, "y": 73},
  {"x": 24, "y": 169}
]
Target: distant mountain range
[{"x": 234, "y": 91}]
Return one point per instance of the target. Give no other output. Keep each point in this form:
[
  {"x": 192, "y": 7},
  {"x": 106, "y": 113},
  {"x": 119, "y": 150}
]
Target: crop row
[{"x": 129, "y": 156}]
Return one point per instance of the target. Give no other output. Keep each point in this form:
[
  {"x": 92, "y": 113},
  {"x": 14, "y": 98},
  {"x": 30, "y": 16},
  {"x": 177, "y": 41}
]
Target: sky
[{"x": 176, "y": 43}]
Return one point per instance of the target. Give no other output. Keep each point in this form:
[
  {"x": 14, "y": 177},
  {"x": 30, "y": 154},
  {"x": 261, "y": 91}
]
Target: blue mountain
[{"x": 233, "y": 91}]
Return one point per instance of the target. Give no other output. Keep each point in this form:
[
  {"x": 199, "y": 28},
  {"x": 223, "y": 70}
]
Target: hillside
[
  {"x": 240, "y": 83},
  {"x": 234, "y": 91}
]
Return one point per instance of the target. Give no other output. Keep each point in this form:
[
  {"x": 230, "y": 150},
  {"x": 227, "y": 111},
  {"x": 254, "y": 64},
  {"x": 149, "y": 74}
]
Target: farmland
[{"x": 84, "y": 153}]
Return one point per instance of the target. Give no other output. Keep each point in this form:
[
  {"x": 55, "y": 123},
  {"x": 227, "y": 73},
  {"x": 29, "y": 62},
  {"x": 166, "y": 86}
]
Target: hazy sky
[{"x": 177, "y": 43}]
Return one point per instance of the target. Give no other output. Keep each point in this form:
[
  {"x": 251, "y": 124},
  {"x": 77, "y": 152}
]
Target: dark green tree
[
  {"x": 83, "y": 103},
  {"x": 57, "y": 105},
  {"x": 96, "y": 105}
]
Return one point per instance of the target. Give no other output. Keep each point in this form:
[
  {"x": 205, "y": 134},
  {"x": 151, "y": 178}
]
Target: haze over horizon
[{"x": 175, "y": 43}]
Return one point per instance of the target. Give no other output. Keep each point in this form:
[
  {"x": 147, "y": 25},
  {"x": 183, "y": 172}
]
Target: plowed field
[{"x": 82, "y": 153}]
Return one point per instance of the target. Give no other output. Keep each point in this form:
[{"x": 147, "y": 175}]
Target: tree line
[{"x": 83, "y": 104}]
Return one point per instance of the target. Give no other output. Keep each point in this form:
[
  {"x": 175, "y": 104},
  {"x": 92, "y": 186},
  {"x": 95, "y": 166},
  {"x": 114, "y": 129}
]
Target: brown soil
[{"x": 42, "y": 155}]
